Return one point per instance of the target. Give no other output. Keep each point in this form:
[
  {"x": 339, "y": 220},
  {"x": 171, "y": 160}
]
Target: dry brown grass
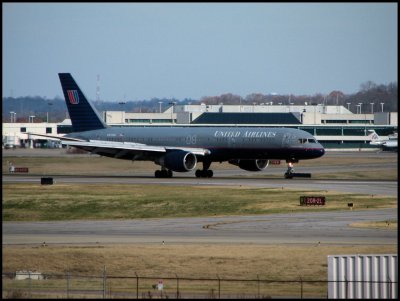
[
  {"x": 186, "y": 260},
  {"x": 390, "y": 225}
]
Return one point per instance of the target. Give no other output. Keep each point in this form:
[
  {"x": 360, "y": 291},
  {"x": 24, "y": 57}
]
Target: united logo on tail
[{"x": 73, "y": 97}]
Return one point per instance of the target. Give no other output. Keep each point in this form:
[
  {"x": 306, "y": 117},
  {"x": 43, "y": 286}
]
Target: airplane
[
  {"x": 180, "y": 148},
  {"x": 386, "y": 144}
]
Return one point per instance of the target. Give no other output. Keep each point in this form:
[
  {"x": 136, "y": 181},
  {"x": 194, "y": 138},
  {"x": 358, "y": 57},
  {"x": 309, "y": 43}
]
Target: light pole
[
  {"x": 160, "y": 102},
  {"x": 382, "y": 105},
  {"x": 12, "y": 117},
  {"x": 31, "y": 118},
  {"x": 172, "y": 103},
  {"x": 348, "y": 106},
  {"x": 357, "y": 108},
  {"x": 360, "y": 104},
  {"x": 372, "y": 107},
  {"x": 49, "y": 104},
  {"x": 122, "y": 104}
]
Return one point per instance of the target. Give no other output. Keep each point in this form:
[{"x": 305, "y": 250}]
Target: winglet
[{"x": 84, "y": 116}]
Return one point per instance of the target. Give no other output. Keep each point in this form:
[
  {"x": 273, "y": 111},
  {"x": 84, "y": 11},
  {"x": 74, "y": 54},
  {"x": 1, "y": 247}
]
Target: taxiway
[{"x": 311, "y": 228}]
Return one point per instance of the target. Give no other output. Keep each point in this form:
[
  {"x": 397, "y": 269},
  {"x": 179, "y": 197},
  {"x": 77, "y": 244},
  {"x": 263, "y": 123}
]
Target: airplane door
[{"x": 286, "y": 140}]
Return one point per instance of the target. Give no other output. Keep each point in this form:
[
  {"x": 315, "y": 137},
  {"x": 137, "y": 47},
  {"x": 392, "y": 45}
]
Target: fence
[{"x": 143, "y": 287}]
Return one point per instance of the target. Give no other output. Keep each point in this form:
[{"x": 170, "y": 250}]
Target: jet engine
[
  {"x": 251, "y": 165},
  {"x": 179, "y": 161}
]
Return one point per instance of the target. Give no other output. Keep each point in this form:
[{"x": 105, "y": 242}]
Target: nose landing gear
[
  {"x": 289, "y": 171},
  {"x": 290, "y": 174}
]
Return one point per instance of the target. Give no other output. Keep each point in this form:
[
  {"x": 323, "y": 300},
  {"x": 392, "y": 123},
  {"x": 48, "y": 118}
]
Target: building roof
[{"x": 248, "y": 118}]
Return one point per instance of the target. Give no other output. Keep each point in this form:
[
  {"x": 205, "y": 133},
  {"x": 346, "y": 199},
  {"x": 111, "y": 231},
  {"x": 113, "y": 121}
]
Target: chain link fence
[{"x": 142, "y": 287}]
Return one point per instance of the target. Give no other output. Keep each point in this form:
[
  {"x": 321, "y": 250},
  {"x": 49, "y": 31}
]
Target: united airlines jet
[
  {"x": 385, "y": 144},
  {"x": 180, "y": 148}
]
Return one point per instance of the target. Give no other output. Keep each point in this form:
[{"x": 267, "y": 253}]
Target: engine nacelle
[
  {"x": 179, "y": 161},
  {"x": 251, "y": 165}
]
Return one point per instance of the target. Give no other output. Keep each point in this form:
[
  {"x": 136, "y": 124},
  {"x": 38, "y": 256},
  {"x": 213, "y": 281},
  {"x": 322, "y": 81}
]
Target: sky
[{"x": 137, "y": 51}]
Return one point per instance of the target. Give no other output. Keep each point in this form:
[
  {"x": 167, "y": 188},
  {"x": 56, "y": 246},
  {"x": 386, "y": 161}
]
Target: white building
[
  {"x": 309, "y": 115},
  {"x": 17, "y": 134}
]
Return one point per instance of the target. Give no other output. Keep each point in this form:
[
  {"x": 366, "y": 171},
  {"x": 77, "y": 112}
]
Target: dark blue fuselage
[{"x": 224, "y": 143}]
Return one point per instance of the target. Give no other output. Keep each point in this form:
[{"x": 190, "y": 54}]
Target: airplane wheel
[
  {"x": 288, "y": 176},
  {"x": 163, "y": 174},
  {"x": 204, "y": 173}
]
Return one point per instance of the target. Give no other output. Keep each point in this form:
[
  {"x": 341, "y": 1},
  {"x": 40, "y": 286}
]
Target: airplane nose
[
  {"x": 317, "y": 151},
  {"x": 321, "y": 151}
]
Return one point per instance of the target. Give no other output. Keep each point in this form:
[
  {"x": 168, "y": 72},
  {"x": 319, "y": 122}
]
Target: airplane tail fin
[
  {"x": 374, "y": 137},
  {"x": 84, "y": 116}
]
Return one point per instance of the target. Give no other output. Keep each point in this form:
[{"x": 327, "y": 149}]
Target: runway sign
[{"x": 312, "y": 200}]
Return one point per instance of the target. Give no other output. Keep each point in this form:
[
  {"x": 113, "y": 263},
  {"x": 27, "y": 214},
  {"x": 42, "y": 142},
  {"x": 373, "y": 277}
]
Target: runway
[
  {"x": 311, "y": 228},
  {"x": 388, "y": 188}
]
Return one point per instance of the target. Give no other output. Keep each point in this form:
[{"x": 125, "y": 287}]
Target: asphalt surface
[
  {"x": 301, "y": 228},
  {"x": 388, "y": 188}
]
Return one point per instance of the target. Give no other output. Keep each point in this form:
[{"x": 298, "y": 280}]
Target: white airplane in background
[{"x": 386, "y": 144}]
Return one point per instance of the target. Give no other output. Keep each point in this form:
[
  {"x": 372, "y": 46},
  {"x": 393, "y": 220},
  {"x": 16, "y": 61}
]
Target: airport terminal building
[{"x": 335, "y": 127}]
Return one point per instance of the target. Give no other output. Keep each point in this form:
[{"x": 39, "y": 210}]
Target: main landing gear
[
  {"x": 205, "y": 172},
  {"x": 163, "y": 173}
]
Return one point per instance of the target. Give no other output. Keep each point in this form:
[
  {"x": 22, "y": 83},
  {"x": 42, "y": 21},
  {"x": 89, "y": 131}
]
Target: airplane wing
[
  {"x": 55, "y": 137},
  {"x": 134, "y": 150}
]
